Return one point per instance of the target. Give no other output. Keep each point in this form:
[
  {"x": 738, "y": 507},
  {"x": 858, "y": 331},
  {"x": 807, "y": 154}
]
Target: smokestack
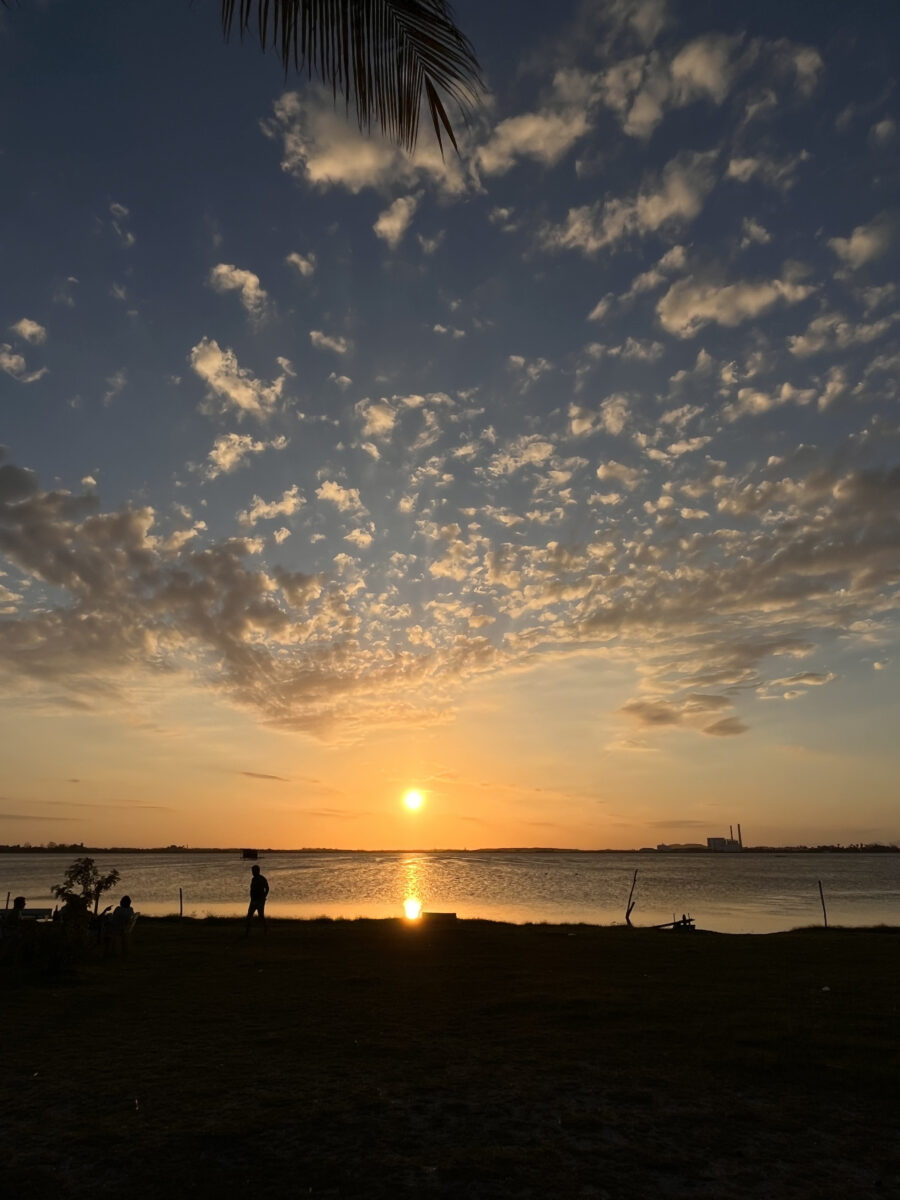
[
  {"x": 731, "y": 833},
  {"x": 740, "y": 839}
]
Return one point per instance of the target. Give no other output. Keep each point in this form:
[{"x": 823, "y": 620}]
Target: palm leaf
[{"x": 383, "y": 56}]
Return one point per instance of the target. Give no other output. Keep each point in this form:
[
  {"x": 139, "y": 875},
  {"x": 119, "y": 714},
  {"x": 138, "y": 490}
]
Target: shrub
[{"x": 84, "y": 881}]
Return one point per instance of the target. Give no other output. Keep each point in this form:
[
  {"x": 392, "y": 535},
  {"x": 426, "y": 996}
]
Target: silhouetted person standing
[{"x": 259, "y": 890}]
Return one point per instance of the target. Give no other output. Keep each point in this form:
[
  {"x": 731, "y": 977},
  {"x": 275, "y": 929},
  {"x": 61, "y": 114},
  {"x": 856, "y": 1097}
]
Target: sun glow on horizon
[
  {"x": 413, "y": 800},
  {"x": 412, "y": 908}
]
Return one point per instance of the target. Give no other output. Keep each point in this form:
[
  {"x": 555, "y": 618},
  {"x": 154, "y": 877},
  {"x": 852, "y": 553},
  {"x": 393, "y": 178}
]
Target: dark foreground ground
[{"x": 377, "y": 1059}]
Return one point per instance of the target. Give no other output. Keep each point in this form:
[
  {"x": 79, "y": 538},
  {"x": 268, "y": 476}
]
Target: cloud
[
  {"x": 378, "y": 417},
  {"x": 754, "y": 402},
  {"x": 361, "y": 538},
  {"x": 5, "y": 816},
  {"x": 675, "y": 197},
  {"x": 30, "y": 331},
  {"x": 393, "y": 223},
  {"x": 62, "y": 293},
  {"x": 324, "y": 341},
  {"x": 260, "y": 775},
  {"x": 231, "y": 450},
  {"x": 544, "y": 137},
  {"x": 690, "y": 304},
  {"x": 703, "y": 68},
  {"x": 653, "y": 713},
  {"x": 805, "y": 551},
  {"x": 531, "y": 370},
  {"x": 115, "y": 385},
  {"x": 524, "y": 451},
  {"x": 629, "y": 477},
  {"x": 688, "y": 446},
  {"x": 780, "y": 174},
  {"x": 234, "y": 386},
  {"x": 321, "y": 148},
  {"x": 602, "y": 307},
  {"x": 727, "y": 727},
  {"x": 305, "y": 264},
  {"x": 637, "y": 350},
  {"x": 831, "y": 329},
  {"x": 640, "y": 89},
  {"x": 614, "y": 412},
  {"x": 752, "y": 233},
  {"x": 225, "y": 277},
  {"x": 14, "y": 365},
  {"x": 124, "y": 235},
  {"x": 865, "y": 243},
  {"x": 344, "y": 499},
  {"x": 804, "y": 63},
  {"x": 685, "y": 711},
  {"x": 262, "y": 510},
  {"x": 882, "y": 132}
]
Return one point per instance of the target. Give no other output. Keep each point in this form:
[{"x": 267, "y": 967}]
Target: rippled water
[{"x": 748, "y": 893}]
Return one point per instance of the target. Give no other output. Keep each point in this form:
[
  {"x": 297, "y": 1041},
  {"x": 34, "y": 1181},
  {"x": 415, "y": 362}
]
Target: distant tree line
[{"x": 79, "y": 847}]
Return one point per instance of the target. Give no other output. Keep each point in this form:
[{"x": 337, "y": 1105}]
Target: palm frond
[{"x": 383, "y": 56}]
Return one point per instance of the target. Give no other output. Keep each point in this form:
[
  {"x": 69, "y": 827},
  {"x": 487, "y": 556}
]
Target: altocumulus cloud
[{"x": 820, "y": 547}]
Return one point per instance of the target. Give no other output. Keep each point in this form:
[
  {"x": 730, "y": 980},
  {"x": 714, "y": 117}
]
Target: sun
[{"x": 413, "y": 800}]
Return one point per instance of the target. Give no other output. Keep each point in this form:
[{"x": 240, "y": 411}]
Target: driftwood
[{"x": 686, "y": 922}]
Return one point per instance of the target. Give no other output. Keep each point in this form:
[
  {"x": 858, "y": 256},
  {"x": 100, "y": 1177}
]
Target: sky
[{"x": 558, "y": 479}]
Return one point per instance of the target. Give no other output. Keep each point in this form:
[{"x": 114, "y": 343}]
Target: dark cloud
[
  {"x": 32, "y": 817},
  {"x": 685, "y": 823},
  {"x": 727, "y": 727},
  {"x": 123, "y": 805}
]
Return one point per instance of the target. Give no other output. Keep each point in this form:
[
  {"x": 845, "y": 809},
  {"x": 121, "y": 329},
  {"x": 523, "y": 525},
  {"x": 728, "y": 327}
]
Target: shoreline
[{"x": 444, "y": 920}]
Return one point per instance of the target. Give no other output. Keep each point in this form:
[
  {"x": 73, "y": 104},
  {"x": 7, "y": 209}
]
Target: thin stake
[
  {"x": 822, "y": 898},
  {"x": 180, "y": 903},
  {"x": 630, "y": 905},
  {"x": 7, "y": 899}
]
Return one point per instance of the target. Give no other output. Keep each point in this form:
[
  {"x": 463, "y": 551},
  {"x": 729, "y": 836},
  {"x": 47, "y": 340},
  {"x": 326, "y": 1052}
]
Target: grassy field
[{"x": 466, "y": 1059}]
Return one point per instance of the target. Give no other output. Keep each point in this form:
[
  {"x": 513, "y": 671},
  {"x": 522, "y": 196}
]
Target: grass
[{"x": 466, "y": 1059}]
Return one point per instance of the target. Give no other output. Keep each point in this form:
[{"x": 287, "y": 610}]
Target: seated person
[
  {"x": 122, "y": 917},
  {"x": 16, "y": 913}
]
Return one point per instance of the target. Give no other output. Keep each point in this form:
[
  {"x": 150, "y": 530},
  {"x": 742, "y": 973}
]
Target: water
[{"x": 734, "y": 893}]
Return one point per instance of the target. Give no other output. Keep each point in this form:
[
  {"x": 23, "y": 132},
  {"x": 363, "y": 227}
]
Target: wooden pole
[
  {"x": 630, "y": 905},
  {"x": 822, "y": 898},
  {"x": 180, "y": 903},
  {"x": 7, "y": 899}
]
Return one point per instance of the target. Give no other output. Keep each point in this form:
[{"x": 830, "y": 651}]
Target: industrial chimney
[{"x": 740, "y": 839}]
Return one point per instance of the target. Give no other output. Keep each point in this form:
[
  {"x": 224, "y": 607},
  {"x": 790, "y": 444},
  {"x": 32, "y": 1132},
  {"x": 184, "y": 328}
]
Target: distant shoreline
[{"x": 78, "y": 849}]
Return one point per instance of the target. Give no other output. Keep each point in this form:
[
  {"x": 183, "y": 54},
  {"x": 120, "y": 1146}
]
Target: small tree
[{"x": 84, "y": 881}]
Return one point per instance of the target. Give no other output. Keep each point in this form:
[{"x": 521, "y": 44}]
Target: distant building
[{"x": 730, "y": 844}]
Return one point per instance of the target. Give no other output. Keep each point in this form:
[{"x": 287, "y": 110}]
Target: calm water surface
[{"x": 733, "y": 893}]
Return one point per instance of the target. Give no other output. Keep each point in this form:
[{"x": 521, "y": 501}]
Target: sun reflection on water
[{"x": 412, "y": 888}]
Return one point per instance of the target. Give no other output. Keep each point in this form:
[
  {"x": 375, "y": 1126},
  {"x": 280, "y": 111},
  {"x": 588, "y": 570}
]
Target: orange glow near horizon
[{"x": 412, "y": 908}]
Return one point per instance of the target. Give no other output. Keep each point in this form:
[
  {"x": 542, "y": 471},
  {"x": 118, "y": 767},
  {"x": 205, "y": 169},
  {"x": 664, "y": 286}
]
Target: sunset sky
[{"x": 559, "y": 480}]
